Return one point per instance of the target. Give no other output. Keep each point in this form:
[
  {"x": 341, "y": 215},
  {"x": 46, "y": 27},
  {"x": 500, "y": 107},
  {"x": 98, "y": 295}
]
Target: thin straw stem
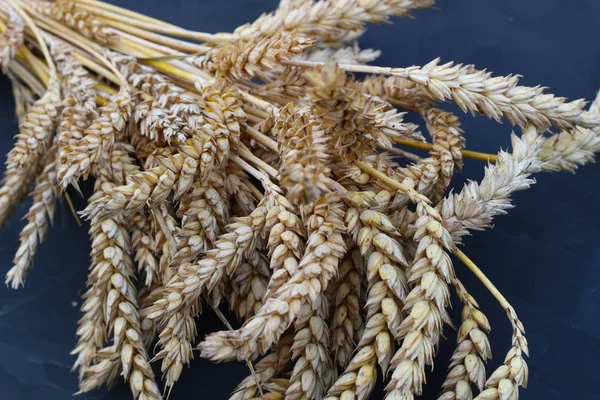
[
  {"x": 475, "y": 155},
  {"x": 411, "y": 193},
  {"x": 247, "y": 154},
  {"x": 484, "y": 279}
]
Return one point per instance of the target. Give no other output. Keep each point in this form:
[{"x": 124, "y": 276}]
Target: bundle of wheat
[{"x": 253, "y": 168}]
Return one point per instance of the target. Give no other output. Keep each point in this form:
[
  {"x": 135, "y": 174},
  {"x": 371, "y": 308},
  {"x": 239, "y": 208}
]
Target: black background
[{"x": 543, "y": 256}]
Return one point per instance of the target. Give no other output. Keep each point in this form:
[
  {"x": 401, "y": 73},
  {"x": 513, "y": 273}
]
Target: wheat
[
  {"x": 313, "y": 370},
  {"x": 220, "y": 132},
  {"x": 346, "y": 324},
  {"x": 344, "y": 55},
  {"x": 426, "y": 303},
  {"x": 318, "y": 265},
  {"x": 432, "y": 175},
  {"x": 113, "y": 296},
  {"x": 286, "y": 247},
  {"x": 34, "y": 137},
  {"x": 249, "y": 285},
  {"x": 12, "y": 37},
  {"x": 67, "y": 12},
  {"x": 473, "y": 349},
  {"x": 242, "y": 59},
  {"x": 303, "y": 152},
  {"x": 505, "y": 381},
  {"x": 203, "y": 214},
  {"x": 78, "y": 104},
  {"x": 34, "y": 232},
  {"x": 191, "y": 279},
  {"x": 256, "y": 169},
  {"x": 479, "y": 91},
  {"x": 98, "y": 140},
  {"x": 476, "y": 205},
  {"x": 239, "y": 190},
  {"x": 327, "y": 20},
  {"x": 144, "y": 248}
]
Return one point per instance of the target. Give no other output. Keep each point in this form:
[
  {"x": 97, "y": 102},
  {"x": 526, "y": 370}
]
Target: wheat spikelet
[
  {"x": 478, "y": 91},
  {"x": 178, "y": 327},
  {"x": 473, "y": 349},
  {"x": 191, "y": 279},
  {"x": 176, "y": 335},
  {"x": 344, "y": 55},
  {"x": 164, "y": 110},
  {"x": 67, "y": 12},
  {"x": 313, "y": 369},
  {"x": 570, "y": 149},
  {"x": 303, "y": 148},
  {"x": 384, "y": 256},
  {"x": 249, "y": 285},
  {"x": 239, "y": 190},
  {"x": 174, "y": 173},
  {"x": 203, "y": 212},
  {"x": 287, "y": 86},
  {"x": 266, "y": 370},
  {"x": 178, "y": 332},
  {"x": 346, "y": 324},
  {"x": 476, "y": 205},
  {"x": 326, "y": 19},
  {"x": 98, "y": 140},
  {"x": 383, "y": 307},
  {"x": 431, "y": 176},
  {"x": 242, "y": 59},
  {"x": 142, "y": 244},
  {"x": 12, "y": 37},
  {"x": 324, "y": 249},
  {"x": 286, "y": 246},
  {"x": 111, "y": 280},
  {"x": 331, "y": 95},
  {"x": 35, "y": 134},
  {"x": 360, "y": 375},
  {"x": 426, "y": 303},
  {"x": 34, "y": 232},
  {"x": 505, "y": 381},
  {"x": 93, "y": 325}
]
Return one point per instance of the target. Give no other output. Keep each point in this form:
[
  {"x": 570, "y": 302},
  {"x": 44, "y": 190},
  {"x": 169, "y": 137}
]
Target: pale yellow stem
[
  {"x": 367, "y": 69},
  {"x": 257, "y": 193},
  {"x": 36, "y": 64},
  {"x": 156, "y": 38},
  {"x": 72, "y": 208},
  {"x": 484, "y": 279},
  {"x": 261, "y": 138},
  {"x": 466, "y": 153},
  {"x": 123, "y": 11},
  {"x": 248, "y": 168},
  {"x": 93, "y": 66},
  {"x": 26, "y": 76},
  {"x": 257, "y": 161},
  {"x": 149, "y": 23},
  {"x": 105, "y": 88}
]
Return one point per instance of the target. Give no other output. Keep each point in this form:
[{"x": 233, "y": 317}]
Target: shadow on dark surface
[{"x": 543, "y": 255}]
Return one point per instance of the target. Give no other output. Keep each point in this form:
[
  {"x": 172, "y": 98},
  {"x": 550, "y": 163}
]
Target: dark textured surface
[{"x": 543, "y": 255}]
